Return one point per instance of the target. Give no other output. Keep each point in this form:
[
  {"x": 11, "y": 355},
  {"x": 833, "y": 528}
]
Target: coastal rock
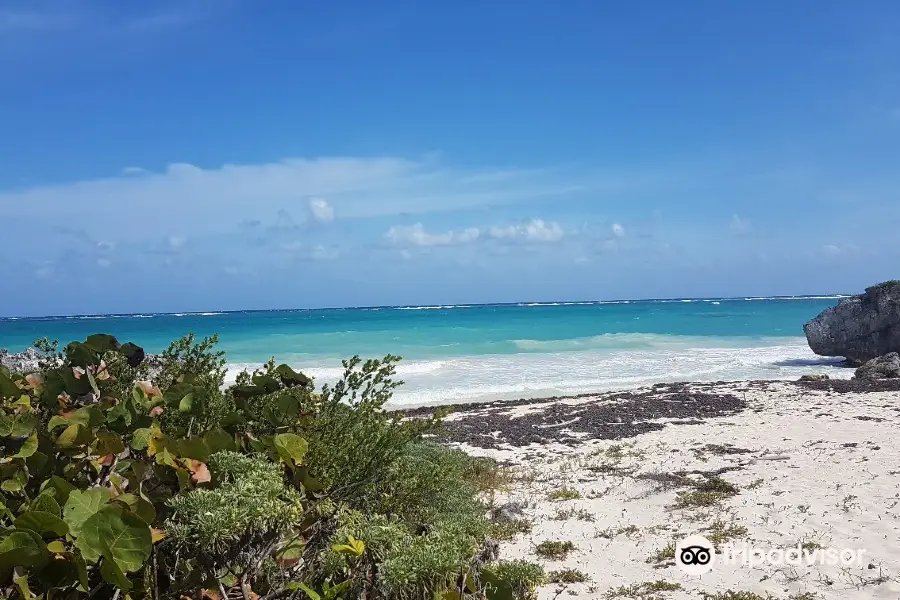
[
  {"x": 883, "y": 367},
  {"x": 821, "y": 377},
  {"x": 859, "y": 328},
  {"x": 20, "y": 362}
]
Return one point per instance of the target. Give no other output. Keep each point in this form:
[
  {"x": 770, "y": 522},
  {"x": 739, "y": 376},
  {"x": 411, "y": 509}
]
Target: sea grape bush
[{"x": 124, "y": 477}]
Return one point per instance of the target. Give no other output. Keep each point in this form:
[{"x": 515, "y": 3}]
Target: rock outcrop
[
  {"x": 883, "y": 367},
  {"x": 20, "y": 362},
  {"x": 859, "y": 328}
]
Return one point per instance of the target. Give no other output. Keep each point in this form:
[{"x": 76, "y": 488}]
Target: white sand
[{"x": 814, "y": 473}]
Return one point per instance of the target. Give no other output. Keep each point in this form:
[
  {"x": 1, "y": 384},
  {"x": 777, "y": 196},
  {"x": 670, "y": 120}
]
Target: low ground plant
[{"x": 132, "y": 477}]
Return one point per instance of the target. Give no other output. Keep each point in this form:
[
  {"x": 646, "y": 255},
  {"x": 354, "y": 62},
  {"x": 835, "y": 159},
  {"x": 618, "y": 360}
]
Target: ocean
[{"x": 466, "y": 353}]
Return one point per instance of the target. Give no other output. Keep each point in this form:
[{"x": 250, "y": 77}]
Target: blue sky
[{"x": 187, "y": 155}]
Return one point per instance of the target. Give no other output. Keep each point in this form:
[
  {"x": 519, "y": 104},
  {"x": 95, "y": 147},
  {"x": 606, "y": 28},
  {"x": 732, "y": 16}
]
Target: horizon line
[{"x": 522, "y": 304}]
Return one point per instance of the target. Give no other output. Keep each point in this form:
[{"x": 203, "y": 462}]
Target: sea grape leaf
[
  {"x": 8, "y": 387},
  {"x": 43, "y": 523},
  {"x": 61, "y": 488},
  {"x": 141, "y": 438},
  {"x": 290, "y": 377},
  {"x": 291, "y": 448},
  {"x": 28, "y": 448},
  {"x": 134, "y": 354},
  {"x": 116, "y": 535},
  {"x": 139, "y": 506},
  {"x": 47, "y": 503},
  {"x": 22, "y": 549},
  {"x": 495, "y": 587},
  {"x": 111, "y": 573},
  {"x": 82, "y": 505},
  {"x": 102, "y": 342}
]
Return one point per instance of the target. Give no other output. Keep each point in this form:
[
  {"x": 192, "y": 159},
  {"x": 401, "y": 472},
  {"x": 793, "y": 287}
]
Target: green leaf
[
  {"x": 186, "y": 403},
  {"x": 291, "y": 448},
  {"x": 73, "y": 436},
  {"x": 87, "y": 416},
  {"x": 247, "y": 391},
  {"x": 81, "y": 568},
  {"x": 353, "y": 547},
  {"x": 61, "y": 488},
  {"x": 141, "y": 438},
  {"x": 290, "y": 377},
  {"x": 218, "y": 439},
  {"x": 43, "y": 523},
  {"x": 108, "y": 442},
  {"x": 45, "y": 502},
  {"x": 80, "y": 354},
  {"x": 193, "y": 447},
  {"x": 309, "y": 591},
  {"x": 21, "y": 580},
  {"x": 22, "y": 549},
  {"x": 8, "y": 388},
  {"x": 117, "y": 535},
  {"x": 14, "y": 484},
  {"x": 23, "y": 425},
  {"x": 133, "y": 353},
  {"x": 139, "y": 506},
  {"x": 113, "y": 574},
  {"x": 28, "y": 448},
  {"x": 496, "y": 588},
  {"x": 82, "y": 505},
  {"x": 102, "y": 342}
]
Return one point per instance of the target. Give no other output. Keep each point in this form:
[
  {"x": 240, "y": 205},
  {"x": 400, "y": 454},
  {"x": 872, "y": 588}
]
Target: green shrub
[
  {"x": 523, "y": 576},
  {"x": 554, "y": 549},
  {"x": 248, "y": 506},
  {"x": 567, "y": 576},
  {"x": 564, "y": 493},
  {"x": 145, "y": 479}
]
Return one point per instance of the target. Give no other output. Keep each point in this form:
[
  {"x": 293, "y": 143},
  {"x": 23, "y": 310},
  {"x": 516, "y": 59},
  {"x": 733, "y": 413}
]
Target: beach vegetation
[
  {"x": 566, "y": 514},
  {"x": 664, "y": 554},
  {"x": 564, "y": 493},
  {"x": 567, "y": 576},
  {"x": 524, "y": 577},
  {"x": 612, "y": 532},
  {"x": 720, "y": 532},
  {"x": 706, "y": 492},
  {"x": 554, "y": 549},
  {"x": 508, "y": 529},
  {"x": 648, "y": 590},
  {"x": 127, "y": 476}
]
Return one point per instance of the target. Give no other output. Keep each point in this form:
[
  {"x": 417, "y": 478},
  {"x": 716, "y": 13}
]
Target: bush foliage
[{"x": 128, "y": 477}]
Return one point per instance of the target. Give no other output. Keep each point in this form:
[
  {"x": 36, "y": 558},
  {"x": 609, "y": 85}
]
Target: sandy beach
[{"x": 770, "y": 465}]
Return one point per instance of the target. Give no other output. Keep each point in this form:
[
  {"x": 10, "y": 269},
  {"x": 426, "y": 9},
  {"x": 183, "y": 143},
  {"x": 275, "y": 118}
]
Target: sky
[{"x": 230, "y": 154}]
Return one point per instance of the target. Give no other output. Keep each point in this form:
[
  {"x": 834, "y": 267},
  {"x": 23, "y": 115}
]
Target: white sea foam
[{"x": 553, "y": 370}]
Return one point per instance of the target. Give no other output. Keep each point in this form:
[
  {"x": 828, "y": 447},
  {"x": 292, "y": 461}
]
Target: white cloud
[
  {"x": 177, "y": 241},
  {"x": 320, "y": 209},
  {"x": 536, "y": 230},
  {"x": 618, "y": 230},
  {"x": 103, "y": 263},
  {"x": 415, "y": 235},
  {"x": 738, "y": 226},
  {"x": 216, "y": 200}
]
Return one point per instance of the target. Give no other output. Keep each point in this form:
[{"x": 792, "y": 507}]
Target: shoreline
[{"x": 618, "y": 475}]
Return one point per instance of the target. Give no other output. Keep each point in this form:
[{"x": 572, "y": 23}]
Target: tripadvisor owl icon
[{"x": 695, "y": 555}]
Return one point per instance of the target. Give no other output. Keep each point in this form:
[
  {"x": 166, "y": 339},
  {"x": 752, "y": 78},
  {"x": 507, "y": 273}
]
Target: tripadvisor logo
[{"x": 696, "y": 555}]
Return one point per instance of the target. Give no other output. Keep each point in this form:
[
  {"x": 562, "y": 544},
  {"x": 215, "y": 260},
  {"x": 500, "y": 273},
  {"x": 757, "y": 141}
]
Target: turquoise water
[{"x": 479, "y": 352}]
